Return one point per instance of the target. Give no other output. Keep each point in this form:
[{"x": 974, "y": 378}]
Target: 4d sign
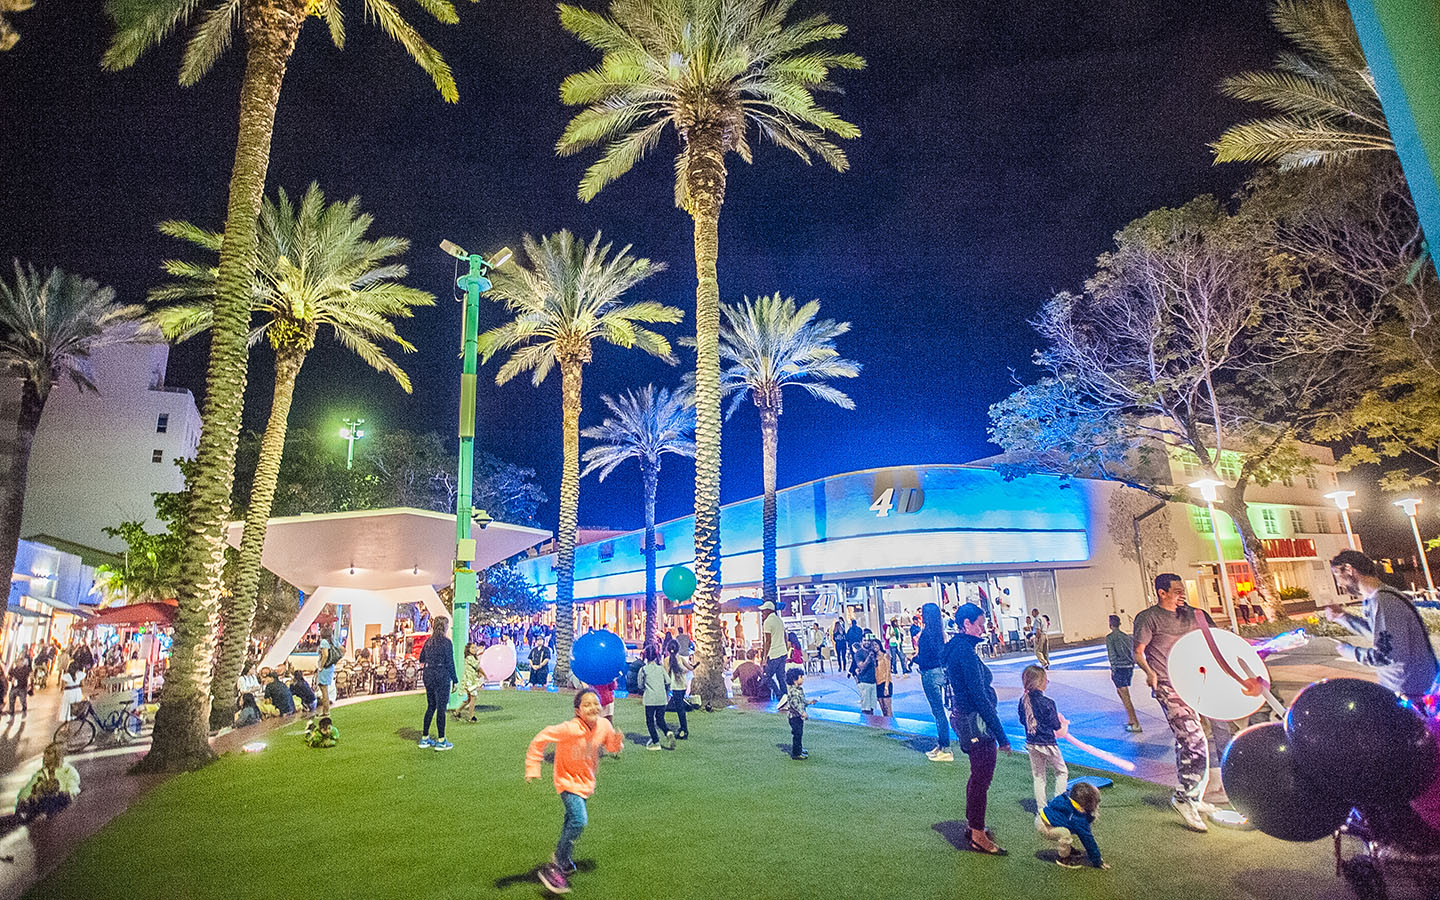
[{"x": 901, "y": 501}]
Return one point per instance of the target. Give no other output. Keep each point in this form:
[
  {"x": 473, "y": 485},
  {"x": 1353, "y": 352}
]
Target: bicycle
[{"x": 124, "y": 724}]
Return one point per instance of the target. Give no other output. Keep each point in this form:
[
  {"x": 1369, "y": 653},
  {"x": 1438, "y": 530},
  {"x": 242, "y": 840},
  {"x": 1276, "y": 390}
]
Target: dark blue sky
[{"x": 1003, "y": 144}]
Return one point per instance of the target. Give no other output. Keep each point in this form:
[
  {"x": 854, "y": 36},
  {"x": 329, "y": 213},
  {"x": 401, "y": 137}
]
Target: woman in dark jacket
[
  {"x": 930, "y": 660},
  {"x": 977, "y": 723},
  {"x": 438, "y": 658}
]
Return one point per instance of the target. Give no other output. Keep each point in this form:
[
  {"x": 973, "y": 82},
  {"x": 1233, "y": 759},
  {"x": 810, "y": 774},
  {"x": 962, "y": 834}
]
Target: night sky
[{"x": 1003, "y": 144}]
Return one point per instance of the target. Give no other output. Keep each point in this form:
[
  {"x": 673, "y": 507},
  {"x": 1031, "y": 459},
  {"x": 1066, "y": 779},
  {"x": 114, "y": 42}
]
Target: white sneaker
[
  {"x": 1190, "y": 812},
  {"x": 938, "y": 755}
]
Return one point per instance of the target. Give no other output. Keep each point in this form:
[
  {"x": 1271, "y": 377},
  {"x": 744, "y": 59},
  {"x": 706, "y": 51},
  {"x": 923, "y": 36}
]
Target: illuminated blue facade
[{"x": 876, "y": 523}]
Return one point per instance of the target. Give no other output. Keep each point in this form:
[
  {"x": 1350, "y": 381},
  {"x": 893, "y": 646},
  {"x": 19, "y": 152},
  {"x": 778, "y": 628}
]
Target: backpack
[{"x": 331, "y": 656}]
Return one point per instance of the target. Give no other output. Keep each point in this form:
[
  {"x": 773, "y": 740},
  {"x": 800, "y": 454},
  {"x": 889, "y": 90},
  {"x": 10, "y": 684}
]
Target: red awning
[{"x": 135, "y": 614}]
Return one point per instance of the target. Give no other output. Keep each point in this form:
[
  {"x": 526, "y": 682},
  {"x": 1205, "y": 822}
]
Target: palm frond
[
  {"x": 140, "y": 25},
  {"x": 209, "y": 41},
  {"x": 426, "y": 56}
]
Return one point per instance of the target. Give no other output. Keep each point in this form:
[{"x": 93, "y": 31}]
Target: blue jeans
[
  {"x": 575, "y": 822},
  {"x": 934, "y": 682}
]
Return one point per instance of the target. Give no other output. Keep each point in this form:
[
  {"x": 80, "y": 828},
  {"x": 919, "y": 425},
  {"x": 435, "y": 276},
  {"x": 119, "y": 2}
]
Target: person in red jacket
[{"x": 577, "y": 757}]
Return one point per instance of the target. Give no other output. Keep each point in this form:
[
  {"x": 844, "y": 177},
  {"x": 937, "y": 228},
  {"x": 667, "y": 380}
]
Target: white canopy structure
[{"x": 372, "y": 560}]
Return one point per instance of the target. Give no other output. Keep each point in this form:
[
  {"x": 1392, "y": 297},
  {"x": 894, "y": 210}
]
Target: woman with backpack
[
  {"x": 438, "y": 658},
  {"x": 325, "y": 677}
]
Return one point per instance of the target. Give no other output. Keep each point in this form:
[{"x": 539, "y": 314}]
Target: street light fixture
[
  {"x": 351, "y": 432},
  {"x": 474, "y": 283},
  {"x": 1342, "y": 502},
  {"x": 1409, "y": 505},
  {"x": 1206, "y": 487}
]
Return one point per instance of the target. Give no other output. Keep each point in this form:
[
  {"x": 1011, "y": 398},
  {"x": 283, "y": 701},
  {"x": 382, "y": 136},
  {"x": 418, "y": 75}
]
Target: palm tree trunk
[
  {"x": 12, "y": 504},
  {"x": 706, "y": 178},
  {"x": 769, "y": 445},
  {"x": 570, "y": 377},
  {"x": 650, "y": 479},
  {"x": 238, "y": 615},
  {"x": 182, "y": 724}
]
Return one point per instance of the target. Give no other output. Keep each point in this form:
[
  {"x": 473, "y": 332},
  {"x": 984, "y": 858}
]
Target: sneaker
[
  {"x": 443, "y": 745},
  {"x": 669, "y": 740},
  {"x": 425, "y": 743},
  {"x": 554, "y": 880},
  {"x": 803, "y": 754},
  {"x": 1134, "y": 729},
  {"x": 652, "y": 745},
  {"x": 938, "y": 755},
  {"x": 1069, "y": 862},
  {"x": 1190, "y": 812},
  {"x": 567, "y": 868},
  {"x": 682, "y": 735}
]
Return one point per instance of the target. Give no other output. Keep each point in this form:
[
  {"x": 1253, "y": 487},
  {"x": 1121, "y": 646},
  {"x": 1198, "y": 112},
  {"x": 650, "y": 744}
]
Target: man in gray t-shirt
[{"x": 1156, "y": 631}]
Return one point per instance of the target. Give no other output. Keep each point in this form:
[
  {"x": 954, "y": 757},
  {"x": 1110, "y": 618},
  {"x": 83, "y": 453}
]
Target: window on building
[
  {"x": 1322, "y": 522},
  {"x": 162, "y": 424},
  {"x": 1229, "y": 469},
  {"x": 1270, "y": 522},
  {"x": 1200, "y": 518},
  {"x": 1288, "y": 481},
  {"x": 1297, "y": 522},
  {"x": 1312, "y": 484},
  {"x": 157, "y": 456},
  {"x": 1334, "y": 480}
]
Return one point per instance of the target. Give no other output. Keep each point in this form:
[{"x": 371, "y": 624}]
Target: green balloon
[{"x": 679, "y": 584}]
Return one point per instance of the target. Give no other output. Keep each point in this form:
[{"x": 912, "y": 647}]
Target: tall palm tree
[
  {"x": 49, "y": 326},
  {"x": 1323, "y": 95},
  {"x": 568, "y": 298},
  {"x": 768, "y": 345},
  {"x": 713, "y": 70},
  {"x": 643, "y": 425},
  {"x": 270, "y": 29},
  {"x": 8, "y": 35},
  {"x": 315, "y": 268}
]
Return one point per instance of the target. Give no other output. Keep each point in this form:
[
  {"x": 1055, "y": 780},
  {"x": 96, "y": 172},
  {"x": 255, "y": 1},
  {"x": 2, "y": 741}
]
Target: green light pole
[
  {"x": 473, "y": 283},
  {"x": 351, "y": 432}
]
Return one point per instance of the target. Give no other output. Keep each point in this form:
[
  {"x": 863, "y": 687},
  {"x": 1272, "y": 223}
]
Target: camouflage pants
[{"x": 1192, "y": 757}]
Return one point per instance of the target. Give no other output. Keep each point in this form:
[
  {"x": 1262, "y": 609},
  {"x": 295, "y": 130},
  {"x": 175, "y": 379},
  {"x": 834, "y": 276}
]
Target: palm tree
[
  {"x": 566, "y": 300},
  {"x": 315, "y": 269},
  {"x": 270, "y": 29},
  {"x": 1323, "y": 94},
  {"x": 8, "y": 35},
  {"x": 644, "y": 425},
  {"x": 49, "y": 326},
  {"x": 768, "y": 345},
  {"x": 713, "y": 70}
]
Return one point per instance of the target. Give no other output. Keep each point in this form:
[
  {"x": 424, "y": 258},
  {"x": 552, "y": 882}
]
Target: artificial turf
[{"x": 726, "y": 814}]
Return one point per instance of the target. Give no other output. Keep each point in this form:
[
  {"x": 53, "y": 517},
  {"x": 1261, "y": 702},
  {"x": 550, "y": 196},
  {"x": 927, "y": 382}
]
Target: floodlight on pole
[
  {"x": 1206, "y": 487},
  {"x": 1409, "y": 504},
  {"x": 473, "y": 283},
  {"x": 1341, "y": 500},
  {"x": 351, "y": 432}
]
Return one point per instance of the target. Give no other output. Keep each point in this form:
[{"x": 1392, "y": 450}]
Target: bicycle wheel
[
  {"x": 76, "y": 734},
  {"x": 134, "y": 722}
]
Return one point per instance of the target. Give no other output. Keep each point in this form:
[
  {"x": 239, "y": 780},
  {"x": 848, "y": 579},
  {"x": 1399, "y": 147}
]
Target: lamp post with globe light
[
  {"x": 1409, "y": 504},
  {"x": 1342, "y": 502},
  {"x": 1206, "y": 487},
  {"x": 351, "y": 432}
]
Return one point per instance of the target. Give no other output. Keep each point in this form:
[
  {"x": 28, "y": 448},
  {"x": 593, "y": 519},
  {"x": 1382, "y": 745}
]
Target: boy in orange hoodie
[{"x": 577, "y": 756}]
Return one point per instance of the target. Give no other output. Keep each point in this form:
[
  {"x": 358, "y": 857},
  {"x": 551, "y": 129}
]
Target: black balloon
[
  {"x": 1361, "y": 741},
  {"x": 1262, "y": 782}
]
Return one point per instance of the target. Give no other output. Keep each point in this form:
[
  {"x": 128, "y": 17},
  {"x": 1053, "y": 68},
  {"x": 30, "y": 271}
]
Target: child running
[
  {"x": 577, "y": 756},
  {"x": 678, "y": 667},
  {"x": 799, "y": 711},
  {"x": 1069, "y": 816},
  {"x": 655, "y": 693},
  {"x": 1043, "y": 724}
]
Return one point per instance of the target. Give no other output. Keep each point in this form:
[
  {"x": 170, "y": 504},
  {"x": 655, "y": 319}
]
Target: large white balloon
[
  {"x": 1200, "y": 681},
  {"x": 497, "y": 662}
]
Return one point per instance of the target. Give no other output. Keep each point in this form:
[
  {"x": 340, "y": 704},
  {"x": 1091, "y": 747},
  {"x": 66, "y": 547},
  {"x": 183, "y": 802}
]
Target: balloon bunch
[{"x": 1345, "y": 743}]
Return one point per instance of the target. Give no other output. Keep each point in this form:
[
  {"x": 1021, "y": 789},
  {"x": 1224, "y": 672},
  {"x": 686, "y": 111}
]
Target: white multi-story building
[{"x": 99, "y": 455}]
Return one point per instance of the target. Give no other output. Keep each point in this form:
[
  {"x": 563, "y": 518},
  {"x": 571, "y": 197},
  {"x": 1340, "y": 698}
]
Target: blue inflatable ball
[
  {"x": 1261, "y": 780},
  {"x": 598, "y": 657},
  {"x": 678, "y": 584},
  {"x": 1361, "y": 741}
]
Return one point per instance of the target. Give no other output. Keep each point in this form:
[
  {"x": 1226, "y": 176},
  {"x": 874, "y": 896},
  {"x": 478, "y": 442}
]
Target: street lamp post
[
  {"x": 1409, "y": 506},
  {"x": 351, "y": 432},
  {"x": 1342, "y": 502},
  {"x": 1206, "y": 487},
  {"x": 473, "y": 283}
]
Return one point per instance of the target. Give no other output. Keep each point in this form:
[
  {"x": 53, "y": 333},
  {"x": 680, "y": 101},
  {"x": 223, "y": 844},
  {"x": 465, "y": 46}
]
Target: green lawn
[{"x": 728, "y": 814}]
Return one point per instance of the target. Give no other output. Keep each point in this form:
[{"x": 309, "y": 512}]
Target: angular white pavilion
[{"x": 372, "y": 560}]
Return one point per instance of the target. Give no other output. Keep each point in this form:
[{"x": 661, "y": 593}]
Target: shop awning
[
  {"x": 733, "y": 605},
  {"x": 59, "y": 605},
  {"x": 18, "y": 610},
  {"x": 135, "y": 614}
]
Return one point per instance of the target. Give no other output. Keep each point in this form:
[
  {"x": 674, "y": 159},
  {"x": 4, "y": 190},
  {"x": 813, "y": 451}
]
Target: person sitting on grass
[
  {"x": 50, "y": 789},
  {"x": 279, "y": 696},
  {"x": 322, "y": 733},
  {"x": 1071, "y": 815},
  {"x": 249, "y": 713},
  {"x": 300, "y": 689},
  {"x": 799, "y": 711},
  {"x": 577, "y": 758}
]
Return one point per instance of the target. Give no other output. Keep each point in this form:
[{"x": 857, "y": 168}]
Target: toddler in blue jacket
[{"x": 1068, "y": 817}]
